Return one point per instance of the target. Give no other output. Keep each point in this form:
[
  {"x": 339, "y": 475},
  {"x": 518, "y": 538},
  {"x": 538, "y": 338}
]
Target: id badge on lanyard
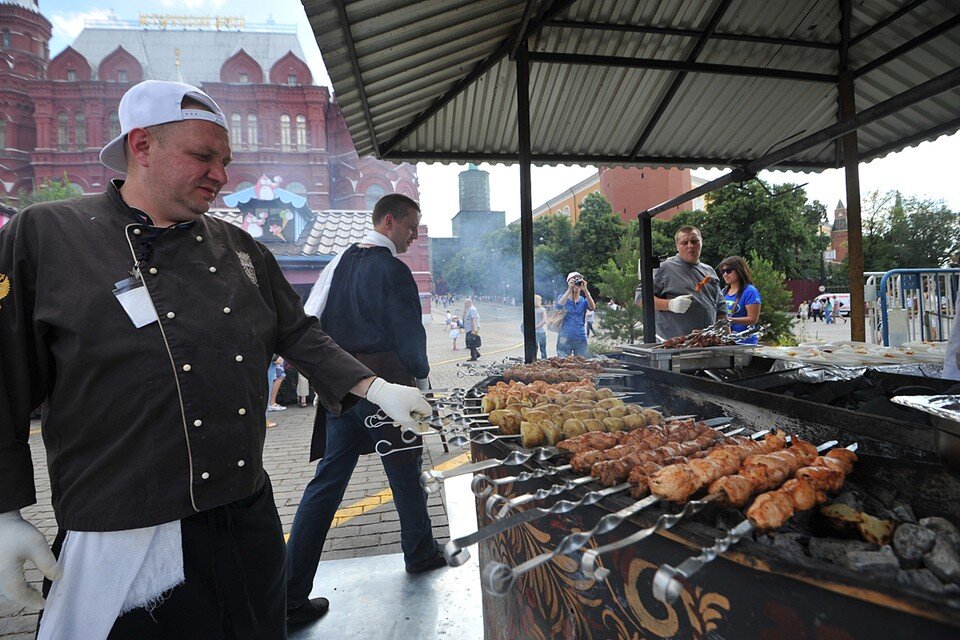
[{"x": 135, "y": 299}]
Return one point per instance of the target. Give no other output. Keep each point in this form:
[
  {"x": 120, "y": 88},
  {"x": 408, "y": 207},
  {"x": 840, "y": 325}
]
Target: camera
[{"x": 578, "y": 281}]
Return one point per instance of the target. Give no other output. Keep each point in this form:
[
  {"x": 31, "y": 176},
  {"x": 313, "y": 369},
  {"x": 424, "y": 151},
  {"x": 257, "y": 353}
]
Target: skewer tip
[
  {"x": 667, "y": 585},
  {"x": 454, "y": 556},
  {"x": 429, "y": 482},
  {"x": 497, "y": 578}
]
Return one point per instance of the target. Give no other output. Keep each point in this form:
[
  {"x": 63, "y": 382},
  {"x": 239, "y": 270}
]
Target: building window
[
  {"x": 374, "y": 193},
  {"x": 62, "y": 132},
  {"x": 297, "y": 187},
  {"x": 244, "y": 78},
  {"x": 6, "y": 39},
  {"x": 3, "y": 134},
  {"x": 80, "y": 122},
  {"x": 114, "y": 121},
  {"x": 302, "y": 133},
  {"x": 285, "y": 132},
  {"x": 122, "y": 75},
  {"x": 292, "y": 80},
  {"x": 252, "y": 132},
  {"x": 566, "y": 212},
  {"x": 236, "y": 130},
  {"x": 71, "y": 75}
]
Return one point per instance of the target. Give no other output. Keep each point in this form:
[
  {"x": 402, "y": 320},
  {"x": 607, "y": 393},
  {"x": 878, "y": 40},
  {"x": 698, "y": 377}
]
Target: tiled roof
[{"x": 331, "y": 232}]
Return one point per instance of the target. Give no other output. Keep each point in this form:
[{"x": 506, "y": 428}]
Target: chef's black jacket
[{"x": 150, "y": 425}]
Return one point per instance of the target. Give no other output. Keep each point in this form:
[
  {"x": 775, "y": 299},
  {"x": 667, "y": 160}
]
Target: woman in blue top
[
  {"x": 743, "y": 299},
  {"x": 572, "y": 337}
]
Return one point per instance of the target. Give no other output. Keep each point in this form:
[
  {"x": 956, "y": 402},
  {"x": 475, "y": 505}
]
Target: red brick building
[{"x": 56, "y": 114}]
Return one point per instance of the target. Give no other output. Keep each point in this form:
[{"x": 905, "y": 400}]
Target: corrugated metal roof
[
  {"x": 411, "y": 53},
  {"x": 202, "y": 52}
]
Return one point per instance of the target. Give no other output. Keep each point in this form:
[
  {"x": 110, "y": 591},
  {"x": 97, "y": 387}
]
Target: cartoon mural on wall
[{"x": 270, "y": 213}]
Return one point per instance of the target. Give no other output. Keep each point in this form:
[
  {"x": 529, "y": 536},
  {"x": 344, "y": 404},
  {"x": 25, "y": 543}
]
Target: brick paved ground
[{"x": 367, "y": 524}]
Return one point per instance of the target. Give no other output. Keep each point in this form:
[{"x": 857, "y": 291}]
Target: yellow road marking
[
  {"x": 464, "y": 358},
  {"x": 360, "y": 507}
]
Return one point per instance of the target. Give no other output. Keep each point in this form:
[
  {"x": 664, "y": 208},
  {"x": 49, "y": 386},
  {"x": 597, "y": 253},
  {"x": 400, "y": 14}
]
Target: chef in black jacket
[{"x": 144, "y": 327}]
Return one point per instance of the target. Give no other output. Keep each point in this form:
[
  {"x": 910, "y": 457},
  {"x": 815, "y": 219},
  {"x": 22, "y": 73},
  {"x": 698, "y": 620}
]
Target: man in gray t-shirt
[{"x": 687, "y": 293}]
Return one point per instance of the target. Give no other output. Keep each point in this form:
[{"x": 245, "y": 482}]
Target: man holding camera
[
  {"x": 687, "y": 293},
  {"x": 575, "y": 302}
]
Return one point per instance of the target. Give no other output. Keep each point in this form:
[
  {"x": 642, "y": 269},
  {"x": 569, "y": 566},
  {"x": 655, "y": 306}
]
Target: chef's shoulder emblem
[
  {"x": 4, "y": 287},
  {"x": 247, "y": 265}
]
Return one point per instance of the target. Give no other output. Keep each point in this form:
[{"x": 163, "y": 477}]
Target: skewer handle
[{"x": 669, "y": 581}]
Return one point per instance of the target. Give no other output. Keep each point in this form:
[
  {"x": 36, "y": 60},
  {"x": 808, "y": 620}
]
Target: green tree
[
  {"x": 597, "y": 235},
  {"x": 909, "y": 232},
  {"x": 51, "y": 190},
  {"x": 775, "y": 221},
  {"x": 776, "y": 305},
  {"x": 618, "y": 281}
]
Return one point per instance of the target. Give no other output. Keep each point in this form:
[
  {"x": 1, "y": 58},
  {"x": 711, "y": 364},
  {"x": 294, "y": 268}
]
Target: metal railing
[{"x": 911, "y": 305}]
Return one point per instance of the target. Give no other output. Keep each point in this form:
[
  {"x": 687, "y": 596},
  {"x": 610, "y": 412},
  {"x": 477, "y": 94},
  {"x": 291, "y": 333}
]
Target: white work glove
[
  {"x": 21, "y": 541},
  {"x": 424, "y": 384},
  {"x": 403, "y": 404},
  {"x": 680, "y": 304}
]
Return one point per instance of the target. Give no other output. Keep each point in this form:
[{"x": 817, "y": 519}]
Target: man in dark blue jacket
[{"x": 368, "y": 302}]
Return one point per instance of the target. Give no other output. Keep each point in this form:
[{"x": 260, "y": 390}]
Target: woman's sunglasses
[{"x": 727, "y": 270}]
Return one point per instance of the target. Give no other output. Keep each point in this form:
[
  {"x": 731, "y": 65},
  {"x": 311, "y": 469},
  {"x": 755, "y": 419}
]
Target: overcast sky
[{"x": 928, "y": 171}]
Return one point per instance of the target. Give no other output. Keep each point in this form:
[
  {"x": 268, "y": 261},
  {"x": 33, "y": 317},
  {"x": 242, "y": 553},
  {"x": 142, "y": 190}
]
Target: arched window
[
  {"x": 243, "y": 185},
  {"x": 302, "y": 133},
  {"x": 3, "y": 133},
  {"x": 253, "y": 137},
  {"x": 62, "y": 132},
  {"x": 114, "y": 121},
  {"x": 285, "y": 132},
  {"x": 80, "y": 122},
  {"x": 6, "y": 38},
  {"x": 236, "y": 130},
  {"x": 566, "y": 212},
  {"x": 374, "y": 193},
  {"x": 297, "y": 187}
]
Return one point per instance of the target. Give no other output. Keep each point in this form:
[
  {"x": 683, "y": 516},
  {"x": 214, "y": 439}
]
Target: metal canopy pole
[
  {"x": 526, "y": 202},
  {"x": 646, "y": 279},
  {"x": 851, "y": 170}
]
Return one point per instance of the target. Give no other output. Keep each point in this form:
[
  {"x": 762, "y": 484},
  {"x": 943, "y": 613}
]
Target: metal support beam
[
  {"x": 676, "y": 65},
  {"x": 482, "y": 67},
  {"x": 851, "y": 171},
  {"x": 357, "y": 76},
  {"x": 737, "y": 175},
  {"x": 889, "y": 19},
  {"x": 690, "y": 33},
  {"x": 646, "y": 277},
  {"x": 913, "y": 43},
  {"x": 526, "y": 203},
  {"x": 518, "y": 37},
  {"x": 680, "y": 77}
]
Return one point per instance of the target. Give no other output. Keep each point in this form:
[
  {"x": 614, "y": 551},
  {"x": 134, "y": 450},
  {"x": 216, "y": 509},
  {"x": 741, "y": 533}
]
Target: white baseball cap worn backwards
[{"x": 154, "y": 102}]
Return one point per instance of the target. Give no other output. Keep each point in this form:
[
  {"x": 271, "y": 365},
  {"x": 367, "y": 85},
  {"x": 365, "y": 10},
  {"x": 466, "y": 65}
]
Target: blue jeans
[
  {"x": 346, "y": 438},
  {"x": 576, "y": 346},
  {"x": 542, "y": 343}
]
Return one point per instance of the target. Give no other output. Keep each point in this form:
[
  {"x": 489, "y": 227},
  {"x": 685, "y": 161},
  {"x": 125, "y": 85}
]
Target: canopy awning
[{"x": 655, "y": 83}]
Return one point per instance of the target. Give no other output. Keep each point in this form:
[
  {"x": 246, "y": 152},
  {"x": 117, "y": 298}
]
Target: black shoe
[
  {"x": 433, "y": 562},
  {"x": 471, "y": 359},
  {"x": 306, "y": 613}
]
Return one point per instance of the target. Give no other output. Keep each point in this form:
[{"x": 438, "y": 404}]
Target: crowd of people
[{"x": 823, "y": 308}]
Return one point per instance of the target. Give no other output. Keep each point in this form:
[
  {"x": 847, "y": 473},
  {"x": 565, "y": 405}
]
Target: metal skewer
[
  {"x": 669, "y": 581},
  {"x": 498, "y": 577},
  {"x": 589, "y": 562},
  {"x": 456, "y": 553}
]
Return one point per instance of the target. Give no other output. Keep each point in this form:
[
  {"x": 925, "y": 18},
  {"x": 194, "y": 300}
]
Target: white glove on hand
[
  {"x": 21, "y": 541},
  {"x": 680, "y": 304},
  {"x": 424, "y": 384},
  {"x": 403, "y": 404}
]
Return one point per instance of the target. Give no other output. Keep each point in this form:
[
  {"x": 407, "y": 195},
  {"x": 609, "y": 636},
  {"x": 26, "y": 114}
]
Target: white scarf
[{"x": 317, "y": 301}]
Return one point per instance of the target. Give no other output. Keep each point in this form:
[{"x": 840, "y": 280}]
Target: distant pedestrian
[
  {"x": 540, "y": 315},
  {"x": 471, "y": 324},
  {"x": 816, "y": 308},
  {"x": 454, "y": 325},
  {"x": 804, "y": 312},
  {"x": 589, "y": 317},
  {"x": 828, "y": 311},
  {"x": 575, "y": 302}
]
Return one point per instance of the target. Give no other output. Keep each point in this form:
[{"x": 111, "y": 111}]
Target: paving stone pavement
[{"x": 368, "y": 528}]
